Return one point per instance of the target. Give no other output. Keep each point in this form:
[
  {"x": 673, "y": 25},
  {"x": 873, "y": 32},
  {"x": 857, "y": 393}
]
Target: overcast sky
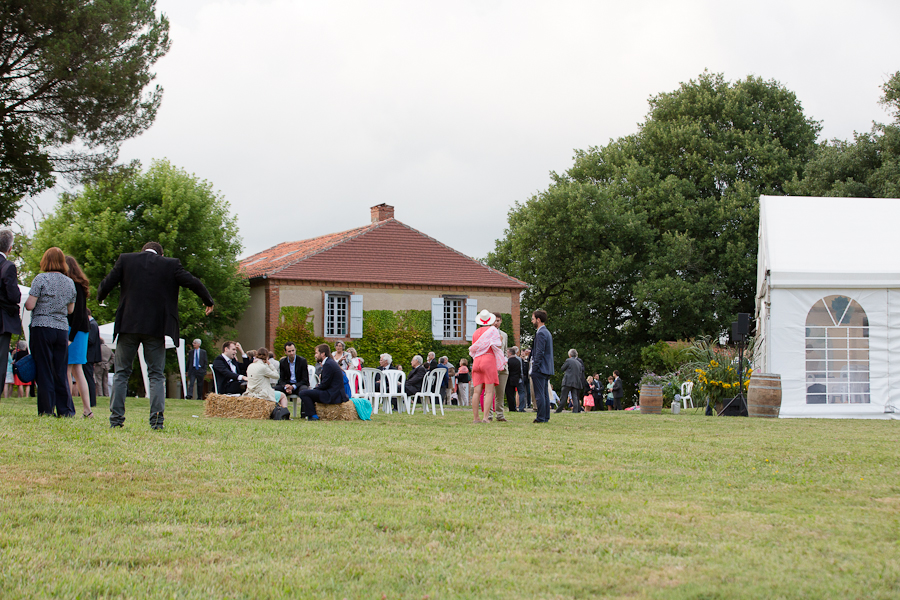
[{"x": 304, "y": 114}]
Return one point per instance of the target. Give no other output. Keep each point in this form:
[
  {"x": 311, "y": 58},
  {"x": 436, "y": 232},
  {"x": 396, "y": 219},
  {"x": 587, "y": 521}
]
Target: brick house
[{"x": 384, "y": 265}]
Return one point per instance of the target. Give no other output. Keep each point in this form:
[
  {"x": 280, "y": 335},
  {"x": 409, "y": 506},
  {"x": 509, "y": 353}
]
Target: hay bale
[
  {"x": 238, "y": 407},
  {"x": 345, "y": 411}
]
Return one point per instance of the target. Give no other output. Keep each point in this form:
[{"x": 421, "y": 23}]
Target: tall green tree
[
  {"x": 165, "y": 204},
  {"x": 73, "y": 75},
  {"x": 654, "y": 236},
  {"x": 867, "y": 167}
]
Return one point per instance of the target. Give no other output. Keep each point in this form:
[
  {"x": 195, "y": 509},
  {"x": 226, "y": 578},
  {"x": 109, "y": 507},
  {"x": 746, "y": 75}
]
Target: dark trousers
[
  {"x": 308, "y": 399},
  {"x": 195, "y": 378},
  {"x": 564, "y": 396},
  {"x": 155, "y": 354},
  {"x": 50, "y": 349},
  {"x": 617, "y": 402},
  {"x": 511, "y": 389},
  {"x": 296, "y": 390},
  {"x": 541, "y": 396},
  {"x": 4, "y": 358},
  {"x": 526, "y": 383},
  {"x": 88, "y": 369}
]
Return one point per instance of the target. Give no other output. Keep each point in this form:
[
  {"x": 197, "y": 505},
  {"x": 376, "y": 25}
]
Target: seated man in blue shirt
[{"x": 293, "y": 372}]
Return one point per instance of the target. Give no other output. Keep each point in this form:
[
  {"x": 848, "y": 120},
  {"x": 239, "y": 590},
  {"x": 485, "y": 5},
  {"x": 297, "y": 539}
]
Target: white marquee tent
[{"x": 828, "y": 304}]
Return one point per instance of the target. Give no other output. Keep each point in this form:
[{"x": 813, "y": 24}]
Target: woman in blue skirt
[{"x": 79, "y": 326}]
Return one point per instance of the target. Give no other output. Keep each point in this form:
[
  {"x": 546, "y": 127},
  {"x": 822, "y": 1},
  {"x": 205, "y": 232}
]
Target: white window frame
[
  {"x": 837, "y": 357},
  {"x": 332, "y": 322},
  {"x": 453, "y": 318}
]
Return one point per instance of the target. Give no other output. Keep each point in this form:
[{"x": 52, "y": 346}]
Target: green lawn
[{"x": 600, "y": 504}]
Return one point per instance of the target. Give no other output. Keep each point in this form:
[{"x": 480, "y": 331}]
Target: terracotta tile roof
[{"x": 384, "y": 252}]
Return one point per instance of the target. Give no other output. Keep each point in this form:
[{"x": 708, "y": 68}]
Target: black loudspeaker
[
  {"x": 743, "y": 323},
  {"x": 736, "y": 335}
]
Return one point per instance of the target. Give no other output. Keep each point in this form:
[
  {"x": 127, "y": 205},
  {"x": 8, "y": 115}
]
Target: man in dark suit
[
  {"x": 229, "y": 371},
  {"x": 93, "y": 356},
  {"x": 541, "y": 365},
  {"x": 617, "y": 391},
  {"x": 416, "y": 377},
  {"x": 573, "y": 382},
  {"x": 147, "y": 313},
  {"x": 330, "y": 389},
  {"x": 514, "y": 383},
  {"x": 10, "y": 296},
  {"x": 431, "y": 362},
  {"x": 196, "y": 364},
  {"x": 293, "y": 371},
  {"x": 385, "y": 362}
]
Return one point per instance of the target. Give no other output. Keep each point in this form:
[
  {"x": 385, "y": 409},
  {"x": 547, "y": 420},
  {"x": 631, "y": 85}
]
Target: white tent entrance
[
  {"x": 828, "y": 305},
  {"x": 106, "y": 334}
]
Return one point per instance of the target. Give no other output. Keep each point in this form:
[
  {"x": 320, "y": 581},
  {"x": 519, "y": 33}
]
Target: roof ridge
[
  {"x": 359, "y": 231},
  {"x": 469, "y": 258}
]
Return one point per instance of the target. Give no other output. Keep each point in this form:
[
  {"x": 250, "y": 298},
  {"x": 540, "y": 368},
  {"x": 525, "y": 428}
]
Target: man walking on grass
[{"x": 147, "y": 313}]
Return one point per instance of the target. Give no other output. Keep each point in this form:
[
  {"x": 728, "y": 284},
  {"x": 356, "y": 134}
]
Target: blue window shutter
[
  {"x": 356, "y": 316},
  {"x": 437, "y": 318}
]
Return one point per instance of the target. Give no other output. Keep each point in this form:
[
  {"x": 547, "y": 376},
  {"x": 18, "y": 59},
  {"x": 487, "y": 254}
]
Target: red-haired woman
[
  {"x": 79, "y": 327},
  {"x": 50, "y": 300}
]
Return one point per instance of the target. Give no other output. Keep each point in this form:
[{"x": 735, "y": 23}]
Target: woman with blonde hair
[
  {"x": 79, "y": 327},
  {"x": 51, "y": 299}
]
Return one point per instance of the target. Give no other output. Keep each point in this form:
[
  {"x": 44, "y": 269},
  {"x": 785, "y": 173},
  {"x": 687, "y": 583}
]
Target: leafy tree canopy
[
  {"x": 867, "y": 167},
  {"x": 72, "y": 81},
  {"x": 167, "y": 205},
  {"x": 654, "y": 236}
]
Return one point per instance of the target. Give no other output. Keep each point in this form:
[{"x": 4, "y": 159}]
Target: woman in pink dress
[{"x": 488, "y": 360}]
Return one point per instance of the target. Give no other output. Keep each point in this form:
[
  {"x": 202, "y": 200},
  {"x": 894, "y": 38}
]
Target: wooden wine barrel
[
  {"x": 651, "y": 399},
  {"x": 764, "y": 395}
]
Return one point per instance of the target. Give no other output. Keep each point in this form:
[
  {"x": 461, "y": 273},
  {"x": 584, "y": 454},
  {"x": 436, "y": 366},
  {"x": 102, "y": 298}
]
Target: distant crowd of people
[{"x": 66, "y": 353}]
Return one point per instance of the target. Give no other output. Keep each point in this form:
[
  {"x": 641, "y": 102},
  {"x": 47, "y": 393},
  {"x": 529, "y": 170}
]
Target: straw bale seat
[
  {"x": 238, "y": 407},
  {"x": 345, "y": 411}
]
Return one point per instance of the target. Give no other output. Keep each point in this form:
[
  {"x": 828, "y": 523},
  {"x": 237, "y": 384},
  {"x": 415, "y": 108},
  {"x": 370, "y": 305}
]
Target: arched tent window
[{"x": 837, "y": 352}]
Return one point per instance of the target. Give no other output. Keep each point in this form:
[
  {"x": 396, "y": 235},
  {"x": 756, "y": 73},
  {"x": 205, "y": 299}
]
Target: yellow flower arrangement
[{"x": 718, "y": 381}]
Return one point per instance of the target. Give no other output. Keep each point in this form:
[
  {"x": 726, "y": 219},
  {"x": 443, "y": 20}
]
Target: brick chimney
[{"x": 382, "y": 212}]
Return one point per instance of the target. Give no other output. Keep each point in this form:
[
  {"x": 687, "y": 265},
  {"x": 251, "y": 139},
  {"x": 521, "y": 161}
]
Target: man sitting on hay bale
[{"x": 330, "y": 389}]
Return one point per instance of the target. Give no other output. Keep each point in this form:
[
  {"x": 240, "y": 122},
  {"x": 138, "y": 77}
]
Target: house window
[
  {"x": 837, "y": 352},
  {"x": 336, "y": 311},
  {"x": 453, "y": 319}
]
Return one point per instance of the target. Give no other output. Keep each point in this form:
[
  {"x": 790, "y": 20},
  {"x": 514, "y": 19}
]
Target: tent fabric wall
[
  {"x": 812, "y": 248},
  {"x": 789, "y": 310}
]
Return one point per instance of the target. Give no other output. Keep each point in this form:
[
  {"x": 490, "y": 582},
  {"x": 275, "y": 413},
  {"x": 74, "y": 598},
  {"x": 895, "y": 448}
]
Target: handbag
[
  {"x": 24, "y": 368},
  {"x": 281, "y": 413}
]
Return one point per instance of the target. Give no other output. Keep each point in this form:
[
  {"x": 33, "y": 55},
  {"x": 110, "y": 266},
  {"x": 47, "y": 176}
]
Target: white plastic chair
[
  {"x": 431, "y": 390},
  {"x": 215, "y": 383},
  {"x": 392, "y": 384},
  {"x": 686, "y": 388},
  {"x": 424, "y": 393},
  {"x": 369, "y": 374},
  {"x": 357, "y": 383}
]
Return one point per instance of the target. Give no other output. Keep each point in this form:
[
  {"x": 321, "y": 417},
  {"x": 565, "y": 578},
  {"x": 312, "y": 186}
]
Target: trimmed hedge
[{"x": 402, "y": 334}]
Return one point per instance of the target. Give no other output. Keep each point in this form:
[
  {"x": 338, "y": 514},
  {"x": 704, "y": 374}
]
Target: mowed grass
[{"x": 599, "y": 504}]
